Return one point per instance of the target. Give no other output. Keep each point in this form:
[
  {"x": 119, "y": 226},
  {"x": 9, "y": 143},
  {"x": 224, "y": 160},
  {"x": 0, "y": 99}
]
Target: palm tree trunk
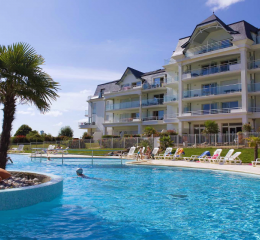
[
  {"x": 9, "y": 110},
  {"x": 256, "y": 151}
]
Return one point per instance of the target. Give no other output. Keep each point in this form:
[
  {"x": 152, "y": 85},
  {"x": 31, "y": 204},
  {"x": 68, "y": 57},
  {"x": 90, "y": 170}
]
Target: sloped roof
[
  {"x": 109, "y": 86},
  {"x": 153, "y": 72},
  {"x": 135, "y": 72}
]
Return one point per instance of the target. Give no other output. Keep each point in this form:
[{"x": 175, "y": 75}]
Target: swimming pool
[{"x": 135, "y": 202}]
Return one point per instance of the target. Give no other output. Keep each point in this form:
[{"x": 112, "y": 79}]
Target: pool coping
[
  {"x": 247, "y": 169},
  {"x": 18, "y": 197}
]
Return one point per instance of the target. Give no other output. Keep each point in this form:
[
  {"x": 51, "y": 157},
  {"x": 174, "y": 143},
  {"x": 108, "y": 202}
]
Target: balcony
[
  {"x": 171, "y": 116},
  {"x": 234, "y": 66},
  {"x": 253, "y": 87},
  {"x": 124, "y": 105},
  {"x": 85, "y": 125},
  {"x": 152, "y": 102},
  {"x": 124, "y": 89},
  {"x": 123, "y": 120},
  {"x": 147, "y": 86},
  {"x": 212, "y": 111},
  {"x": 152, "y": 118},
  {"x": 170, "y": 98},
  {"x": 211, "y": 91},
  {"x": 208, "y": 47},
  {"x": 171, "y": 80},
  {"x": 254, "y": 109},
  {"x": 254, "y": 64}
]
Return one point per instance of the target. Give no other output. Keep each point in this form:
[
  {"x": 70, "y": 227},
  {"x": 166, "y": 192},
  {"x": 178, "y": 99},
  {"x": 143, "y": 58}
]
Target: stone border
[{"x": 27, "y": 196}]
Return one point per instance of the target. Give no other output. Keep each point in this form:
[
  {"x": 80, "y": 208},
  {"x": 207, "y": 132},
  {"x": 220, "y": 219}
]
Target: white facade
[{"x": 213, "y": 75}]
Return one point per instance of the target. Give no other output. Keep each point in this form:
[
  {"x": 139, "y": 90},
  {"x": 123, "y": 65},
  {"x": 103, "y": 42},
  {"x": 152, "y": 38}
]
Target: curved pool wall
[{"x": 27, "y": 196}]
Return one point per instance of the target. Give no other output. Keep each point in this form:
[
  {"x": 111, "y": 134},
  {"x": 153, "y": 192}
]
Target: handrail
[
  {"x": 122, "y": 120},
  {"x": 201, "y": 49},
  {"x": 212, "y": 111},
  {"x": 170, "y": 98},
  {"x": 150, "y": 118},
  {"x": 117, "y": 106},
  {"x": 154, "y": 101},
  {"x": 86, "y": 123},
  {"x": 211, "y": 69},
  {"x": 254, "y": 64},
  {"x": 147, "y": 86},
  {"x": 224, "y": 89}
]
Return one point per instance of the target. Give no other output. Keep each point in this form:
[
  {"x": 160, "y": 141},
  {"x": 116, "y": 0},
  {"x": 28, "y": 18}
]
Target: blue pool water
[{"x": 127, "y": 202}]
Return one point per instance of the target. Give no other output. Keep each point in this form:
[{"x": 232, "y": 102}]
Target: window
[
  {"x": 136, "y": 84},
  {"x": 125, "y": 86},
  {"x": 158, "y": 115},
  {"x": 230, "y": 104},
  {"x": 158, "y": 81},
  {"x": 101, "y": 93}
]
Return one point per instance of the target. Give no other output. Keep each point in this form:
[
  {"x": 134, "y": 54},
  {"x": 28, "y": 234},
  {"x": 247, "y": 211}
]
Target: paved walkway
[{"x": 234, "y": 168}]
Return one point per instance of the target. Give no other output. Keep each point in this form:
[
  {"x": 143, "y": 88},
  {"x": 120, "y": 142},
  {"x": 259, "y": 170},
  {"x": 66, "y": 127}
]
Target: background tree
[
  {"x": 247, "y": 127},
  {"x": 211, "y": 127},
  {"x": 66, "y": 132},
  {"x": 253, "y": 142},
  {"x": 34, "y": 136},
  {"x": 22, "y": 81},
  {"x": 23, "y": 130},
  {"x": 149, "y": 131}
]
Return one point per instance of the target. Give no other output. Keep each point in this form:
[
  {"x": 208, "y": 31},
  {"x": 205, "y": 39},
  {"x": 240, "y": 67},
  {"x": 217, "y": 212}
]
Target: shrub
[
  {"x": 247, "y": 127},
  {"x": 110, "y": 136},
  {"x": 86, "y": 136},
  {"x": 19, "y": 139},
  {"x": 145, "y": 143},
  {"x": 211, "y": 127},
  {"x": 132, "y": 135},
  {"x": 34, "y": 136},
  {"x": 149, "y": 131},
  {"x": 165, "y": 141}
]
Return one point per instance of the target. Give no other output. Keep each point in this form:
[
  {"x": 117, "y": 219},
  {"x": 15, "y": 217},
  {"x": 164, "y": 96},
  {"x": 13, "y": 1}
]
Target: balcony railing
[
  {"x": 225, "y": 89},
  {"x": 170, "y": 80},
  {"x": 152, "y": 118},
  {"x": 117, "y": 106},
  {"x": 151, "y": 102},
  {"x": 171, "y": 116},
  {"x": 212, "y": 70},
  {"x": 253, "y": 87},
  {"x": 170, "y": 98},
  {"x": 212, "y": 111},
  {"x": 122, "y": 120},
  {"x": 210, "y": 47},
  {"x": 254, "y": 109},
  {"x": 82, "y": 124},
  {"x": 147, "y": 86},
  {"x": 254, "y": 64}
]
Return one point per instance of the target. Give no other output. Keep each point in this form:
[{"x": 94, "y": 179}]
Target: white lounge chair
[
  {"x": 234, "y": 159},
  {"x": 154, "y": 153},
  {"x": 130, "y": 154},
  {"x": 195, "y": 157},
  {"x": 254, "y": 163},
  {"x": 165, "y": 155},
  {"x": 17, "y": 150},
  {"x": 176, "y": 155},
  {"x": 223, "y": 159},
  {"x": 215, "y": 156}
]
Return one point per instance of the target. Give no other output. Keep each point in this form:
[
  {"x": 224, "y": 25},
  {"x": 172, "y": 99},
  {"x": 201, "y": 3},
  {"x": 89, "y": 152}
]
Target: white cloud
[
  {"x": 221, "y": 4},
  {"x": 54, "y": 113},
  {"x": 58, "y": 124},
  {"x": 79, "y": 74},
  {"x": 28, "y": 112}
]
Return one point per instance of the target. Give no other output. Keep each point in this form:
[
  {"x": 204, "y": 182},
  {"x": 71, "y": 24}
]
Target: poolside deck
[{"x": 234, "y": 168}]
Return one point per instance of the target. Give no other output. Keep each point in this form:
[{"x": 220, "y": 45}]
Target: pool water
[{"x": 134, "y": 202}]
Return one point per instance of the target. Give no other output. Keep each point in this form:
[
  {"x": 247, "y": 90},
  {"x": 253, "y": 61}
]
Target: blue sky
[{"x": 88, "y": 42}]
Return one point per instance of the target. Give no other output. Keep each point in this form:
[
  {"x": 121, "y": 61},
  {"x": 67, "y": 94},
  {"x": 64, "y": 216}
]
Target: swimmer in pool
[{"x": 79, "y": 172}]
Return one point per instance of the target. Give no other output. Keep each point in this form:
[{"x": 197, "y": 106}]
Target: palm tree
[
  {"x": 22, "y": 81},
  {"x": 253, "y": 142}
]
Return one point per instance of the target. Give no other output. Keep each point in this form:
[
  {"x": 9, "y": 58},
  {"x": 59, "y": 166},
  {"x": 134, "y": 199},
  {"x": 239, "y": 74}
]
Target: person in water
[{"x": 79, "y": 172}]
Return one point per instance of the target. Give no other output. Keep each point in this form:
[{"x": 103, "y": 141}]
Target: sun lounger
[
  {"x": 234, "y": 159},
  {"x": 17, "y": 150},
  {"x": 254, "y": 163},
  {"x": 196, "y": 157},
  {"x": 154, "y": 153},
  {"x": 165, "y": 155},
  {"x": 222, "y": 160},
  {"x": 178, "y": 154},
  {"x": 130, "y": 154},
  {"x": 215, "y": 156}
]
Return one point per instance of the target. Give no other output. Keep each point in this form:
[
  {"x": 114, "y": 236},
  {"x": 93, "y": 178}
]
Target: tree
[
  {"x": 253, "y": 142},
  {"x": 22, "y": 81},
  {"x": 165, "y": 141},
  {"x": 247, "y": 127},
  {"x": 23, "y": 130},
  {"x": 149, "y": 131},
  {"x": 34, "y": 136},
  {"x": 66, "y": 132},
  {"x": 86, "y": 136},
  {"x": 211, "y": 127}
]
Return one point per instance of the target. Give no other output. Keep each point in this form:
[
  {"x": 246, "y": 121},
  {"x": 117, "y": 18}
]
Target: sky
[{"x": 89, "y": 42}]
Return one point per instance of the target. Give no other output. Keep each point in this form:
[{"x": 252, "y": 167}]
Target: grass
[{"x": 247, "y": 154}]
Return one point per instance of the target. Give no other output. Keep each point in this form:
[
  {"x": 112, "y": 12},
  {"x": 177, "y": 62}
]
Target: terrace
[{"x": 123, "y": 105}]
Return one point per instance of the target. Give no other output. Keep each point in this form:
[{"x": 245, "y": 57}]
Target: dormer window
[{"x": 101, "y": 93}]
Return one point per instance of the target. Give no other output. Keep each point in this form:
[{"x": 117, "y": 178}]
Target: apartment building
[{"x": 214, "y": 74}]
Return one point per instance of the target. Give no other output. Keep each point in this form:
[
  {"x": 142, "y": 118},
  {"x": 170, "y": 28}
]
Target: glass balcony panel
[
  {"x": 254, "y": 87},
  {"x": 254, "y": 64},
  {"x": 154, "y": 101},
  {"x": 170, "y": 98},
  {"x": 122, "y": 105}
]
